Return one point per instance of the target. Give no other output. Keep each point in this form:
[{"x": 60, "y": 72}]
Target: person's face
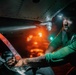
[
  {"x": 66, "y": 24},
  {"x": 11, "y": 61}
]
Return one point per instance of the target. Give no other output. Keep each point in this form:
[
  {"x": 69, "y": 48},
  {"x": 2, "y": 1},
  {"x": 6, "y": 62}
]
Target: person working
[{"x": 67, "y": 38}]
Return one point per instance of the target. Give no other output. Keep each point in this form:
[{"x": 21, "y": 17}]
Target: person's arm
[
  {"x": 62, "y": 54},
  {"x": 55, "y": 43},
  {"x": 34, "y": 62},
  {"x": 50, "y": 58},
  {"x": 50, "y": 49}
]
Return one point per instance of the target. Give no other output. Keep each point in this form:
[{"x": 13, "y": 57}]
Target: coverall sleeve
[{"x": 61, "y": 54}]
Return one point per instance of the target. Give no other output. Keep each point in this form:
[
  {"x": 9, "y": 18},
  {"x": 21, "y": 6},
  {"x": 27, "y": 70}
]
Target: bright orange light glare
[
  {"x": 40, "y": 34},
  {"x": 29, "y": 37},
  {"x": 40, "y": 54},
  {"x": 31, "y": 56},
  {"x": 36, "y": 52},
  {"x": 35, "y": 43}
]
